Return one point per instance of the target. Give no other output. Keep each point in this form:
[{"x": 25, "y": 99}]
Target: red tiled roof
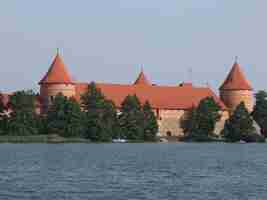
[
  {"x": 142, "y": 80},
  {"x": 236, "y": 80},
  {"x": 57, "y": 73},
  {"x": 160, "y": 97}
]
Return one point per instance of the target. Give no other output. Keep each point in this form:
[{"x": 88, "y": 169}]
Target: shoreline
[
  {"x": 53, "y": 139},
  {"x": 56, "y": 139}
]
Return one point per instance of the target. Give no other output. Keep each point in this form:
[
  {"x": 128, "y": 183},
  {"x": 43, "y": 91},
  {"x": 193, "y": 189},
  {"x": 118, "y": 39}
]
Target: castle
[{"x": 170, "y": 103}]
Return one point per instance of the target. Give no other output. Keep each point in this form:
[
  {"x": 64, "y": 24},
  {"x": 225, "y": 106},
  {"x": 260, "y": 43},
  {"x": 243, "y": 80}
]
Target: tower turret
[
  {"x": 57, "y": 80},
  {"x": 236, "y": 88},
  {"x": 142, "y": 79}
]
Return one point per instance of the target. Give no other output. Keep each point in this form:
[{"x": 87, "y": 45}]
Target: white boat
[
  {"x": 242, "y": 142},
  {"x": 163, "y": 140},
  {"x": 119, "y": 140}
]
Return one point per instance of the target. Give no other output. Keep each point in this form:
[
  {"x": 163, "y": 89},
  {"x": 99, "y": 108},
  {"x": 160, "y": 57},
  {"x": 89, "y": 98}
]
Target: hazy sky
[{"x": 106, "y": 40}]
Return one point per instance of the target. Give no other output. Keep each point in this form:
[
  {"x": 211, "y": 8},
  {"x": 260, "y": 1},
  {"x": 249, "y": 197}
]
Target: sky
[{"x": 108, "y": 40}]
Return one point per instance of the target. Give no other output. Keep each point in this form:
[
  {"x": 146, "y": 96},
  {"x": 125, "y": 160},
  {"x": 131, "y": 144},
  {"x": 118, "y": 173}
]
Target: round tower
[
  {"x": 236, "y": 89},
  {"x": 57, "y": 80}
]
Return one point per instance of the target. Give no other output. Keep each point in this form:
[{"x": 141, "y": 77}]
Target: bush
[{"x": 254, "y": 137}]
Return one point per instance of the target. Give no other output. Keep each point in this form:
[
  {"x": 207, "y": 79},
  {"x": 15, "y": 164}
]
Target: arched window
[{"x": 169, "y": 133}]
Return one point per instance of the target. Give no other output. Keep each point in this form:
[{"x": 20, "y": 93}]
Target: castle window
[{"x": 169, "y": 133}]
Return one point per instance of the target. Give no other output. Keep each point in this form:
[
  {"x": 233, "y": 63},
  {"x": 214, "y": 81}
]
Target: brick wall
[
  {"x": 233, "y": 98},
  {"x": 169, "y": 121},
  {"x": 49, "y": 91}
]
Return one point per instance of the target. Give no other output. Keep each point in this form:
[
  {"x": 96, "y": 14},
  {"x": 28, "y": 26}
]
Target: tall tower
[
  {"x": 236, "y": 89},
  {"x": 57, "y": 80}
]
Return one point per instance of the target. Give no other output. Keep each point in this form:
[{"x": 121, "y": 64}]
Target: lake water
[{"x": 133, "y": 171}]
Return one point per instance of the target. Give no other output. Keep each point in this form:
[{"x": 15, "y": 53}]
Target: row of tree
[
  {"x": 200, "y": 123},
  {"x": 96, "y": 118}
]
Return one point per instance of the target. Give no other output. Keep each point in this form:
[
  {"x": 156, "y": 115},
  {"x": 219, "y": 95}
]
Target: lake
[{"x": 133, "y": 171}]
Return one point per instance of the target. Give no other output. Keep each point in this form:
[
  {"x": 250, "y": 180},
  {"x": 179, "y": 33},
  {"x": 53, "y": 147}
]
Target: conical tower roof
[
  {"x": 236, "y": 80},
  {"x": 57, "y": 73},
  {"x": 141, "y": 79}
]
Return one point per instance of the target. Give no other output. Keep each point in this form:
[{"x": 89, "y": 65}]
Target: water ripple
[{"x": 133, "y": 171}]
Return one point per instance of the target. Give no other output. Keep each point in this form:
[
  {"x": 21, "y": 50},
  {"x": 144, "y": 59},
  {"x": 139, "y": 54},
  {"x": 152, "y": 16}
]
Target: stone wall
[
  {"x": 220, "y": 124},
  {"x": 170, "y": 122}
]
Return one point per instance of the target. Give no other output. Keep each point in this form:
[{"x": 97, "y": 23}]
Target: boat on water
[{"x": 119, "y": 140}]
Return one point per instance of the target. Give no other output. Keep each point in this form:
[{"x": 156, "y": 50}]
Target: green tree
[
  {"x": 56, "y": 115},
  {"x": 200, "y": 123},
  {"x": 65, "y": 117},
  {"x": 189, "y": 121},
  {"x": 100, "y": 115},
  {"x": 239, "y": 126},
  {"x": 22, "y": 120},
  {"x": 150, "y": 123},
  {"x": 131, "y": 118},
  {"x": 110, "y": 117},
  {"x": 260, "y": 111},
  {"x": 74, "y": 119},
  {"x": 23, "y": 100},
  {"x": 93, "y": 99},
  {"x": 41, "y": 123}
]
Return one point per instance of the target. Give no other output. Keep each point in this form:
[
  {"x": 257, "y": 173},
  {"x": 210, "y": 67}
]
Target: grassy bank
[{"x": 41, "y": 139}]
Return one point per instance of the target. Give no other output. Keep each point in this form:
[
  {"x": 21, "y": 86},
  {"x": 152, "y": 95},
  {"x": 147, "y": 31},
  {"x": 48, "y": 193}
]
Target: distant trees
[
  {"x": 150, "y": 123},
  {"x": 65, "y": 117},
  {"x": 96, "y": 118},
  {"x": 100, "y": 115},
  {"x": 137, "y": 122},
  {"x": 260, "y": 111},
  {"x": 103, "y": 122},
  {"x": 23, "y": 118},
  {"x": 240, "y": 126},
  {"x": 131, "y": 118},
  {"x": 200, "y": 123}
]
